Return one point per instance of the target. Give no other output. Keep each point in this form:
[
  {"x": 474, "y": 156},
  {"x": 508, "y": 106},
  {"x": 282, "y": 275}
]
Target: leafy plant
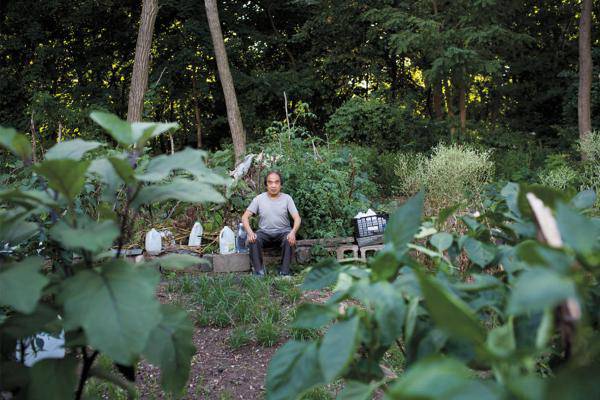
[
  {"x": 518, "y": 304},
  {"x": 57, "y": 273}
]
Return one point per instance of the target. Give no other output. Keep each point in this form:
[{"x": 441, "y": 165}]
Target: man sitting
[{"x": 272, "y": 207}]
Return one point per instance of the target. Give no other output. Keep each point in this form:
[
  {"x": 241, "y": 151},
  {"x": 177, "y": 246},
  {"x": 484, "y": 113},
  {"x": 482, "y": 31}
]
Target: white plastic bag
[
  {"x": 196, "y": 235},
  {"x": 153, "y": 242},
  {"x": 226, "y": 241}
]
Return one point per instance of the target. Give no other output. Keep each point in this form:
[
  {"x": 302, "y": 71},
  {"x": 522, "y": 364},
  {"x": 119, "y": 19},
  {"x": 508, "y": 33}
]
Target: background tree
[{"x": 585, "y": 70}]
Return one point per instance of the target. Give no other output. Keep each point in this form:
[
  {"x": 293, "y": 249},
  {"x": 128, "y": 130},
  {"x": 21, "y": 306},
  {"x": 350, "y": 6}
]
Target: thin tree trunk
[
  {"x": 233, "y": 111},
  {"x": 450, "y": 108},
  {"x": 584, "y": 116},
  {"x": 197, "y": 113},
  {"x": 462, "y": 105},
  {"x": 437, "y": 100},
  {"x": 141, "y": 65}
]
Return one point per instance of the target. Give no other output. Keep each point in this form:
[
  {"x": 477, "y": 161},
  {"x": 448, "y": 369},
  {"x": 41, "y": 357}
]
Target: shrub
[
  {"x": 589, "y": 146},
  {"x": 451, "y": 174},
  {"x": 560, "y": 178}
]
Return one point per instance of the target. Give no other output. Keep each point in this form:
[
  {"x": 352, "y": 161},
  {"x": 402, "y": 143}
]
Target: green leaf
[
  {"x": 15, "y": 142},
  {"x": 446, "y": 213},
  {"x": 129, "y": 134},
  {"x": 501, "y": 340},
  {"x": 65, "y": 176},
  {"x": 354, "y": 390},
  {"x": 20, "y": 326},
  {"x": 480, "y": 282},
  {"x": 527, "y": 387},
  {"x": 535, "y": 254},
  {"x": 577, "y": 231},
  {"x": 480, "y": 253},
  {"x": 441, "y": 241},
  {"x": 545, "y": 330},
  {"x": 123, "y": 169},
  {"x": 431, "y": 378},
  {"x": 338, "y": 348},
  {"x": 90, "y": 235},
  {"x": 53, "y": 379},
  {"x": 116, "y": 306},
  {"x": 450, "y": 312},
  {"x": 550, "y": 197},
  {"x": 575, "y": 383},
  {"x": 170, "y": 346},
  {"x": 16, "y": 230},
  {"x": 584, "y": 200},
  {"x": 21, "y": 284},
  {"x": 314, "y": 316},
  {"x": 538, "y": 289},
  {"x": 179, "y": 189},
  {"x": 176, "y": 261},
  {"x": 385, "y": 264},
  {"x": 405, "y": 222},
  {"x": 71, "y": 149},
  {"x": 510, "y": 192},
  {"x": 188, "y": 160},
  {"x": 324, "y": 274},
  {"x": 411, "y": 319},
  {"x": 293, "y": 369}
]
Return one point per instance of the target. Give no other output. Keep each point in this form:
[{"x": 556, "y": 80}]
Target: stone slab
[{"x": 235, "y": 262}]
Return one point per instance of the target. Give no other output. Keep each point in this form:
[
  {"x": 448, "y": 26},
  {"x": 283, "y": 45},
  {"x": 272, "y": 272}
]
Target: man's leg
[
  {"x": 286, "y": 253},
  {"x": 256, "y": 256}
]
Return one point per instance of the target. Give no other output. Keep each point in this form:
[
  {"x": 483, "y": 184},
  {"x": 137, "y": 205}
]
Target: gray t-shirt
[{"x": 273, "y": 213}]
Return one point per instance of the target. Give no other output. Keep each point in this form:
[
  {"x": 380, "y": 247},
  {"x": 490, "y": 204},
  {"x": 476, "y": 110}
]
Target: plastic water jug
[
  {"x": 153, "y": 242},
  {"x": 226, "y": 241},
  {"x": 196, "y": 235},
  {"x": 241, "y": 240}
]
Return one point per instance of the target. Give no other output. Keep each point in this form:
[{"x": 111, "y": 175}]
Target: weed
[
  {"x": 239, "y": 337},
  {"x": 267, "y": 332}
]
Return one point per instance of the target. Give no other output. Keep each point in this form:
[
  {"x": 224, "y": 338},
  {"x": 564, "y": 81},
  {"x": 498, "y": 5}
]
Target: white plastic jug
[
  {"x": 227, "y": 241},
  {"x": 153, "y": 242},
  {"x": 196, "y": 235}
]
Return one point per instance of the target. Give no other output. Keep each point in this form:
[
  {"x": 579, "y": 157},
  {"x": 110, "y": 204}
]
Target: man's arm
[
  {"x": 291, "y": 237},
  {"x": 246, "y": 223}
]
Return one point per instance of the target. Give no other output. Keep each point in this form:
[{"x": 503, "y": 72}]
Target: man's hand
[
  {"x": 251, "y": 237},
  {"x": 291, "y": 238}
]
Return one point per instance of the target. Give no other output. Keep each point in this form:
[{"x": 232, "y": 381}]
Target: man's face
[{"x": 273, "y": 184}]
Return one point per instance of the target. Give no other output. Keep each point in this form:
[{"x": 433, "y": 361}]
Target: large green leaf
[
  {"x": 115, "y": 305},
  {"x": 130, "y": 134},
  {"x": 501, "y": 340},
  {"x": 536, "y": 254},
  {"x": 434, "y": 378},
  {"x": 577, "y": 231},
  {"x": 21, "y": 284},
  {"x": 354, "y": 390},
  {"x": 338, "y": 347},
  {"x": 441, "y": 241},
  {"x": 27, "y": 198},
  {"x": 385, "y": 264},
  {"x": 188, "y": 160},
  {"x": 170, "y": 347},
  {"x": 15, "y": 229},
  {"x": 480, "y": 253},
  {"x": 479, "y": 282},
  {"x": 450, "y": 312},
  {"x": 179, "y": 189},
  {"x": 584, "y": 200},
  {"x": 388, "y": 307},
  {"x": 53, "y": 379},
  {"x": 65, "y": 176},
  {"x": 15, "y": 143},
  {"x": 293, "y": 369},
  {"x": 71, "y": 149},
  {"x": 538, "y": 289},
  {"x": 90, "y": 235},
  {"x": 314, "y": 316},
  {"x": 405, "y": 222},
  {"x": 323, "y": 274},
  {"x": 123, "y": 168},
  {"x": 510, "y": 192}
]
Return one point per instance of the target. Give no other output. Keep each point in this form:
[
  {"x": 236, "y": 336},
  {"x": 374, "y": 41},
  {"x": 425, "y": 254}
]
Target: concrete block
[
  {"x": 237, "y": 262},
  {"x": 342, "y": 250}
]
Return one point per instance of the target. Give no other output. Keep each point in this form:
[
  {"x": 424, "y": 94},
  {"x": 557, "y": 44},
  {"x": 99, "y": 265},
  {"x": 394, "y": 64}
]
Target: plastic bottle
[
  {"x": 241, "y": 246},
  {"x": 226, "y": 241},
  {"x": 153, "y": 242},
  {"x": 196, "y": 235}
]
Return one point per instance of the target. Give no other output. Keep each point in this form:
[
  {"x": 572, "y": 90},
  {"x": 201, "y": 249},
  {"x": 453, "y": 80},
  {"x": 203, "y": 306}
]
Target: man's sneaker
[
  {"x": 259, "y": 274},
  {"x": 281, "y": 273}
]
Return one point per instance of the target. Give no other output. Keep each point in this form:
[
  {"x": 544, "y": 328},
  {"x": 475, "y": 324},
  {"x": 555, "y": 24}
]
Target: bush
[
  {"x": 558, "y": 172},
  {"x": 589, "y": 147},
  {"x": 451, "y": 174}
]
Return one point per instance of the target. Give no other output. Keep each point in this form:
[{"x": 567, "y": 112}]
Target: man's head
[{"x": 273, "y": 182}]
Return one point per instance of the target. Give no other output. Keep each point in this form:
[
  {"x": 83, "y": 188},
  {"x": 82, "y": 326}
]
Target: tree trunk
[
  {"x": 141, "y": 64},
  {"x": 462, "y": 105},
  {"x": 449, "y": 106},
  {"x": 197, "y": 113},
  {"x": 584, "y": 117},
  {"x": 233, "y": 111},
  {"x": 437, "y": 100}
]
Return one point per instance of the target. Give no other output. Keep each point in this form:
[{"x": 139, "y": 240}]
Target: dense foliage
[
  {"x": 58, "y": 275},
  {"x": 486, "y": 327}
]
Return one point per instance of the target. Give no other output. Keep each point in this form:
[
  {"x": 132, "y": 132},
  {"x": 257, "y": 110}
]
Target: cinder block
[{"x": 237, "y": 262}]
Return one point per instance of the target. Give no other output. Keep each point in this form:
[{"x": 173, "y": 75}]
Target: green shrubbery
[{"x": 449, "y": 175}]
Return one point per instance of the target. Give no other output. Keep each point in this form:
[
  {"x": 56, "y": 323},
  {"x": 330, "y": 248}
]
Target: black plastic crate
[{"x": 367, "y": 227}]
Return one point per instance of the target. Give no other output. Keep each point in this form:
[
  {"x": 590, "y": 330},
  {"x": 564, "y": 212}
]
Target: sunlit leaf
[{"x": 71, "y": 149}]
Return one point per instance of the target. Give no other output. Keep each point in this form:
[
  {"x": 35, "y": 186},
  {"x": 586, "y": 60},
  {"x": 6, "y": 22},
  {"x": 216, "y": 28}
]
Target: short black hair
[{"x": 276, "y": 173}]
